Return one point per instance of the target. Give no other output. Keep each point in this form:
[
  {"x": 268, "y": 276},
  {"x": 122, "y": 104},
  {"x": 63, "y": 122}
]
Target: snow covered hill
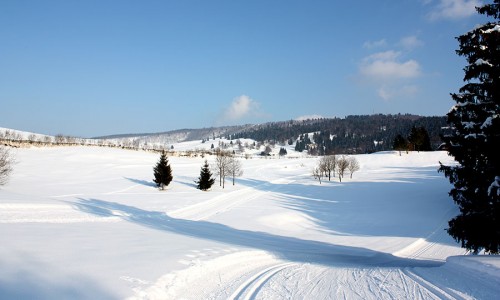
[
  {"x": 177, "y": 136},
  {"x": 88, "y": 223}
]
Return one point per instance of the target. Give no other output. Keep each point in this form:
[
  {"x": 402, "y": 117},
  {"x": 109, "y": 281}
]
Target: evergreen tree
[
  {"x": 205, "y": 181},
  {"x": 419, "y": 139},
  {"x": 475, "y": 139},
  {"x": 400, "y": 144},
  {"x": 162, "y": 172}
]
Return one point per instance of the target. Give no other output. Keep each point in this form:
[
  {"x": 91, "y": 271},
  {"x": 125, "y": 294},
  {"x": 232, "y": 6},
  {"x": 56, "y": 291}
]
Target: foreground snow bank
[
  {"x": 480, "y": 265},
  {"x": 88, "y": 223}
]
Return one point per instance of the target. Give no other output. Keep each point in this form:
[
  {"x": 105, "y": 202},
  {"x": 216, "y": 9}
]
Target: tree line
[
  {"x": 417, "y": 140},
  {"x": 350, "y": 135}
]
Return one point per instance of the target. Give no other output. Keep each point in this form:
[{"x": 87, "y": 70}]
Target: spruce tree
[
  {"x": 475, "y": 138},
  {"x": 205, "y": 181},
  {"x": 400, "y": 143},
  {"x": 419, "y": 139},
  {"x": 162, "y": 172}
]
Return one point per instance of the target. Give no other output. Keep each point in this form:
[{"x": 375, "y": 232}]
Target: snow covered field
[{"x": 88, "y": 223}]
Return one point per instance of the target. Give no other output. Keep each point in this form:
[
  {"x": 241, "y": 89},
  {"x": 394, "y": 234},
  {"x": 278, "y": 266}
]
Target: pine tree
[
  {"x": 475, "y": 138},
  {"x": 162, "y": 172},
  {"x": 400, "y": 144},
  {"x": 419, "y": 139},
  {"x": 205, "y": 181}
]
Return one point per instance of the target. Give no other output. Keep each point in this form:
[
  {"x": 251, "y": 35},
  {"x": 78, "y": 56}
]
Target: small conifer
[
  {"x": 162, "y": 172},
  {"x": 205, "y": 181}
]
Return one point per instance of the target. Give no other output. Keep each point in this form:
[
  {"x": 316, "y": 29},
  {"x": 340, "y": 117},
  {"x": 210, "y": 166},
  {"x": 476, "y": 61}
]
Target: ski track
[
  {"x": 439, "y": 292},
  {"x": 387, "y": 283},
  {"x": 250, "y": 288},
  {"x": 232, "y": 273}
]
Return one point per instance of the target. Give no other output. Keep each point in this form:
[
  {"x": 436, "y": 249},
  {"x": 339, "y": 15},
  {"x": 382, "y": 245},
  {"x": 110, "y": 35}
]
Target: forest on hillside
[{"x": 353, "y": 134}]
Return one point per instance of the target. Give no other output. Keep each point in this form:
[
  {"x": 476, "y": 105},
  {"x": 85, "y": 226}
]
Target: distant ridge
[
  {"x": 319, "y": 136},
  {"x": 352, "y": 134},
  {"x": 180, "y": 135}
]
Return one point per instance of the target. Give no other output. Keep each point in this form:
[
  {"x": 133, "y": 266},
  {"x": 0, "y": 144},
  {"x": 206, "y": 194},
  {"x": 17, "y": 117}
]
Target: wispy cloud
[
  {"x": 410, "y": 42},
  {"x": 390, "y": 73},
  {"x": 451, "y": 9},
  {"x": 375, "y": 44},
  {"x": 240, "y": 108},
  {"x": 383, "y": 66},
  {"x": 389, "y": 92}
]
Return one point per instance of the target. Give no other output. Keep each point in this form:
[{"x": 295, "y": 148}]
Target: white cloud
[
  {"x": 386, "y": 55},
  {"x": 375, "y": 44},
  {"x": 453, "y": 9},
  {"x": 390, "y": 74},
  {"x": 384, "y": 93},
  {"x": 241, "y": 107},
  {"x": 385, "y": 66},
  {"x": 410, "y": 42},
  {"x": 389, "y": 92}
]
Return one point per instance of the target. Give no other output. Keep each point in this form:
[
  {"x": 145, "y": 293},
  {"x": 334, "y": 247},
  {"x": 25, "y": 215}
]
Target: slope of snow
[{"x": 88, "y": 223}]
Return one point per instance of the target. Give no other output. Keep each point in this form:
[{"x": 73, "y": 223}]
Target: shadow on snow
[
  {"x": 406, "y": 202},
  {"x": 142, "y": 182},
  {"x": 289, "y": 248}
]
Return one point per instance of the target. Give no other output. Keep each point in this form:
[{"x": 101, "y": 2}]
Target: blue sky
[{"x": 89, "y": 68}]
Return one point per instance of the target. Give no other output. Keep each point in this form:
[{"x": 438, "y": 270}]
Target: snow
[
  {"x": 494, "y": 186},
  {"x": 469, "y": 125},
  {"x": 488, "y": 122},
  {"x": 88, "y": 223},
  {"x": 6, "y": 132},
  {"x": 474, "y": 136},
  {"x": 481, "y": 61},
  {"x": 494, "y": 29}
]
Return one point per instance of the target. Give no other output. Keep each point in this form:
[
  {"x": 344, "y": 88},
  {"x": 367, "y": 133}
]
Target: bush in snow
[
  {"x": 475, "y": 138},
  {"x": 5, "y": 165}
]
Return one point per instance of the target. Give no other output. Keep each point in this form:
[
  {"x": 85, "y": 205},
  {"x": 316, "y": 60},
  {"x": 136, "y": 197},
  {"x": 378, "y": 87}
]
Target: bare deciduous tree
[
  {"x": 328, "y": 165},
  {"x": 342, "y": 165},
  {"x": 6, "y": 162},
  {"x": 60, "y": 139},
  {"x": 353, "y": 165},
  {"x": 317, "y": 173},
  {"x": 235, "y": 168},
  {"x": 31, "y": 138},
  {"x": 222, "y": 163}
]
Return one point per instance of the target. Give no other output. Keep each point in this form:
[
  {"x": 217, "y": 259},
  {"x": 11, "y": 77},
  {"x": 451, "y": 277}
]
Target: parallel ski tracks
[
  {"x": 432, "y": 288},
  {"x": 255, "y": 281},
  {"x": 251, "y": 287}
]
